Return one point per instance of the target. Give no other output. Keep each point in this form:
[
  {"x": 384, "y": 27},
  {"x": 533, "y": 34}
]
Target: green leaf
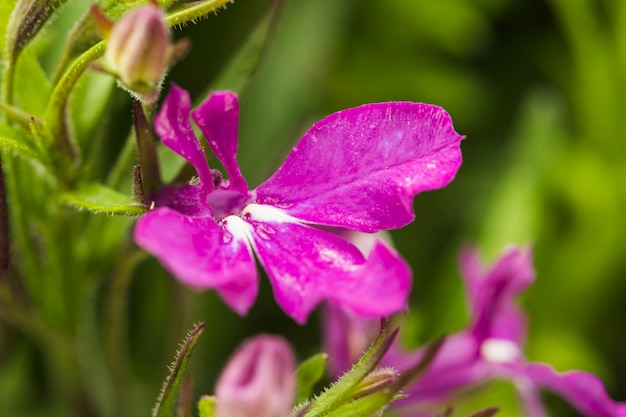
[
  {"x": 206, "y": 406},
  {"x": 88, "y": 106},
  {"x": 165, "y": 403},
  {"x": 99, "y": 198},
  {"x": 363, "y": 407},
  {"x": 308, "y": 374},
  {"x": 32, "y": 89},
  {"x": 341, "y": 392},
  {"x": 14, "y": 141}
]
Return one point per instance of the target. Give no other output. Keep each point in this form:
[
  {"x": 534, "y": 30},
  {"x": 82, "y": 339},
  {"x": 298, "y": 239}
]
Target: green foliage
[
  {"x": 99, "y": 198},
  {"x": 308, "y": 374},
  {"x": 32, "y": 89},
  {"x": 169, "y": 394},
  {"x": 537, "y": 88}
]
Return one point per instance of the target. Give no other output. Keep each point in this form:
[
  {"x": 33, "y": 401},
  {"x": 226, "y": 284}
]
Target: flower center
[
  {"x": 500, "y": 350},
  {"x": 225, "y": 203}
]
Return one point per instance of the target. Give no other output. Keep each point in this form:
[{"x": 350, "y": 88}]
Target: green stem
[
  {"x": 195, "y": 11},
  {"x": 55, "y": 113},
  {"x": 8, "y": 73}
]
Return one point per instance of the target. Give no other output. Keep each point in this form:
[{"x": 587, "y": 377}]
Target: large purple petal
[
  {"x": 582, "y": 390},
  {"x": 308, "y": 265},
  {"x": 360, "y": 168},
  {"x": 201, "y": 254},
  {"x": 172, "y": 124},
  {"x": 218, "y": 118}
]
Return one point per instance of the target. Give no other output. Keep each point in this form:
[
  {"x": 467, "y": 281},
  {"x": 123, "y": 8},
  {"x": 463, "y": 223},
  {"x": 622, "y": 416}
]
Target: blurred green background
[{"x": 539, "y": 89}]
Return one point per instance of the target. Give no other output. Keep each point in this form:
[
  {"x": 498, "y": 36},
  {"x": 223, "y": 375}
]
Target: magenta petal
[
  {"x": 582, "y": 390},
  {"x": 345, "y": 337},
  {"x": 201, "y": 254},
  {"x": 457, "y": 366},
  {"x": 492, "y": 293},
  {"x": 218, "y": 118},
  {"x": 360, "y": 168},
  {"x": 172, "y": 124},
  {"x": 307, "y": 265}
]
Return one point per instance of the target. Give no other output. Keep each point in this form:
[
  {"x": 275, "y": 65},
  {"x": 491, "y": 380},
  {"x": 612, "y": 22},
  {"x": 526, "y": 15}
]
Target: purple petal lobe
[
  {"x": 201, "y": 254},
  {"x": 492, "y": 293},
  {"x": 307, "y": 265},
  {"x": 582, "y": 390},
  {"x": 172, "y": 124},
  {"x": 345, "y": 337},
  {"x": 360, "y": 168},
  {"x": 457, "y": 366},
  {"x": 218, "y": 118}
]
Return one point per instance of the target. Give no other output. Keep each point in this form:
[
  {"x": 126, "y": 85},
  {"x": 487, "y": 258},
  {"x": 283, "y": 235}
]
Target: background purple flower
[
  {"x": 491, "y": 347},
  {"x": 357, "y": 169}
]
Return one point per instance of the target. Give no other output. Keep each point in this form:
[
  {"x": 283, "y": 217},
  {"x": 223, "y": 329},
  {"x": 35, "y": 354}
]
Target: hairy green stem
[
  {"x": 55, "y": 113},
  {"x": 195, "y": 11}
]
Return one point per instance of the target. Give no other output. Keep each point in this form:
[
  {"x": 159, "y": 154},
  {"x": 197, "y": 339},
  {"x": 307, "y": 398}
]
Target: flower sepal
[{"x": 365, "y": 390}]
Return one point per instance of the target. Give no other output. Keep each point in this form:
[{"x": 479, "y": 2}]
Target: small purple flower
[
  {"x": 491, "y": 348},
  {"x": 258, "y": 381},
  {"x": 357, "y": 169}
]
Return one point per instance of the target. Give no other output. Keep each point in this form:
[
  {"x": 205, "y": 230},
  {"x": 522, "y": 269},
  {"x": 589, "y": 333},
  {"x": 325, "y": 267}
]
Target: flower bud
[
  {"x": 138, "y": 49},
  {"x": 258, "y": 381}
]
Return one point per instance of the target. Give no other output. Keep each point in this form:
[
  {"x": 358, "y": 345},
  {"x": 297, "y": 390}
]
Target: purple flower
[
  {"x": 491, "y": 348},
  {"x": 258, "y": 381},
  {"x": 356, "y": 169}
]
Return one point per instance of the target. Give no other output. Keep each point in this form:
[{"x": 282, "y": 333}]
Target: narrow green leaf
[
  {"x": 308, "y": 374},
  {"x": 32, "y": 89},
  {"x": 244, "y": 64},
  {"x": 363, "y": 407},
  {"x": 99, "y": 198},
  {"x": 168, "y": 396},
  {"x": 15, "y": 141},
  {"x": 342, "y": 390},
  {"x": 206, "y": 406}
]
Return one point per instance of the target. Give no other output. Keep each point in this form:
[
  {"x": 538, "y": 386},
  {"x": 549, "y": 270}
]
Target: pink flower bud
[
  {"x": 258, "y": 381},
  {"x": 138, "y": 48}
]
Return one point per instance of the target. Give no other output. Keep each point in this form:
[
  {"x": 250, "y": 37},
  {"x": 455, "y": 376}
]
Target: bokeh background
[{"x": 539, "y": 89}]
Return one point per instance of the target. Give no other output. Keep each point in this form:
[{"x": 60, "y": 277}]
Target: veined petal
[
  {"x": 172, "y": 124},
  {"x": 360, "y": 168},
  {"x": 582, "y": 390},
  {"x": 307, "y": 265},
  {"x": 218, "y": 118},
  {"x": 201, "y": 254}
]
